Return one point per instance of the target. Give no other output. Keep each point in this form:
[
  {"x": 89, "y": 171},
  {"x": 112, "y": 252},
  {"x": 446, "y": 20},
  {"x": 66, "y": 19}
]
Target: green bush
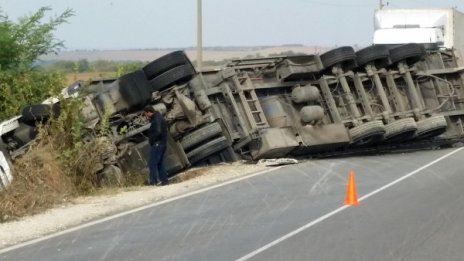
[{"x": 21, "y": 45}]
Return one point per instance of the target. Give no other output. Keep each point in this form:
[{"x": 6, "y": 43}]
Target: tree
[
  {"x": 83, "y": 65},
  {"x": 21, "y": 44}
]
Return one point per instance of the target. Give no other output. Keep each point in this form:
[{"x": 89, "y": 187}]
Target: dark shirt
[{"x": 158, "y": 132}]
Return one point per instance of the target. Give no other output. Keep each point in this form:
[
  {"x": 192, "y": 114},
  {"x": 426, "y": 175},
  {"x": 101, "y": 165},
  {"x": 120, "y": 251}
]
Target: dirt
[{"x": 85, "y": 209}]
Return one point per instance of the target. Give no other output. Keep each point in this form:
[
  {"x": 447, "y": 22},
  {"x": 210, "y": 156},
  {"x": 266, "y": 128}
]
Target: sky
[{"x": 135, "y": 24}]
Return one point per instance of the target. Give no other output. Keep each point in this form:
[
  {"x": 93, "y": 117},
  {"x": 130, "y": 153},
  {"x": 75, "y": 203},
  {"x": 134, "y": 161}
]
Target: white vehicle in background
[{"x": 434, "y": 28}]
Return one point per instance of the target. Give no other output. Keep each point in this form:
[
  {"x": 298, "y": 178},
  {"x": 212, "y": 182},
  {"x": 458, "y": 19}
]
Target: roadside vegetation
[{"x": 60, "y": 165}]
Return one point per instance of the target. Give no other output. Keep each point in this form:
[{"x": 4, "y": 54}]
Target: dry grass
[
  {"x": 53, "y": 170},
  {"x": 39, "y": 183},
  {"x": 85, "y": 76}
]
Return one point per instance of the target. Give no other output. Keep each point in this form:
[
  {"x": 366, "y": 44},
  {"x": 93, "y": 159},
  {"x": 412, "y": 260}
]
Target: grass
[
  {"x": 85, "y": 76},
  {"x": 39, "y": 183}
]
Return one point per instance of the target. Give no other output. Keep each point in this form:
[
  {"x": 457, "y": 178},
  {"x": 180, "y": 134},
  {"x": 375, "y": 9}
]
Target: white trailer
[{"x": 436, "y": 28}]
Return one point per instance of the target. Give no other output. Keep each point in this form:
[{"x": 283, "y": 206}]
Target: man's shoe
[{"x": 164, "y": 183}]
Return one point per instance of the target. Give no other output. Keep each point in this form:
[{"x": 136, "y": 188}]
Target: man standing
[{"x": 157, "y": 138}]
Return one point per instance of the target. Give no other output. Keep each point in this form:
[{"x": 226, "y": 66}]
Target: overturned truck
[
  {"x": 379, "y": 98},
  {"x": 341, "y": 101}
]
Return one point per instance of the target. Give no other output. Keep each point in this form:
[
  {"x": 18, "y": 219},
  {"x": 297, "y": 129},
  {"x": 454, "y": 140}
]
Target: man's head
[{"x": 148, "y": 111}]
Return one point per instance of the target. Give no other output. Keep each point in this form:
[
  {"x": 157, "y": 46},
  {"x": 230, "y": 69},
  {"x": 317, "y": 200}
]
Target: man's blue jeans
[{"x": 156, "y": 165}]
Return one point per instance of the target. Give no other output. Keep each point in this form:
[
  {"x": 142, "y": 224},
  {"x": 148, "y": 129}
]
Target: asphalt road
[{"x": 412, "y": 208}]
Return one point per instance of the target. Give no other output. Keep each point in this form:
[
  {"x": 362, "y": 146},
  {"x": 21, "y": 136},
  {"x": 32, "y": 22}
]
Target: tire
[
  {"x": 36, "y": 113},
  {"x": 178, "y": 75},
  {"x": 378, "y": 55},
  {"x": 367, "y": 133},
  {"x": 400, "y": 130},
  {"x": 56, "y": 109},
  {"x": 409, "y": 53},
  {"x": 344, "y": 56},
  {"x": 142, "y": 84},
  {"x": 205, "y": 133},
  {"x": 129, "y": 91},
  {"x": 207, "y": 149},
  {"x": 164, "y": 63},
  {"x": 431, "y": 127}
]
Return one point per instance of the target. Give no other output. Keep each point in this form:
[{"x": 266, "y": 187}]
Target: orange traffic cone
[{"x": 351, "y": 195}]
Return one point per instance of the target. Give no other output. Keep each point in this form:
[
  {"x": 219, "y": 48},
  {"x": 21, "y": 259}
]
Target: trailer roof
[{"x": 413, "y": 18}]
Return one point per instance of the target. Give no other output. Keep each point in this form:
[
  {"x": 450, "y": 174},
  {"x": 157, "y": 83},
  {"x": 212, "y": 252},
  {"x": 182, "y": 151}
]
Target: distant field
[
  {"x": 146, "y": 55},
  {"x": 209, "y": 54},
  {"x": 72, "y": 77}
]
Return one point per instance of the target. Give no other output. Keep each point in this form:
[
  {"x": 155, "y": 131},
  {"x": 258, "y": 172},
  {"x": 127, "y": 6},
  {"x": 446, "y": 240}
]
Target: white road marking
[
  {"x": 98, "y": 221},
  {"x": 328, "y": 215}
]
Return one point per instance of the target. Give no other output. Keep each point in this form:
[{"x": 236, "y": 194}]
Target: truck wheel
[
  {"x": 6, "y": 168},
  {"x": 400, "y": 130},
  {"x": 36, "y": 113},
  {"x": 142, "y": 85},
  {"x": 129, "y": 91},
  {"x": 207, "y": 149},
  {"x": 409, "y": 53},
  {"x": 56, "y": 109},
  {"x": 165, "y": 63},
  {"x": 367, "y": 133},
  {"x": 344, "y": 56},
  {"x": 376, "y": 54},
  {"x": 431, "y": 127},
  {"x": 178, "y": 75},
  {"x": 205, "y": 133}
]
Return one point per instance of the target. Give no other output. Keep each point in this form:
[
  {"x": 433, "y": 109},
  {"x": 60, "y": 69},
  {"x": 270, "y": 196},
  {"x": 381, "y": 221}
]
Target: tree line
[{"x": 84, "y": 65}]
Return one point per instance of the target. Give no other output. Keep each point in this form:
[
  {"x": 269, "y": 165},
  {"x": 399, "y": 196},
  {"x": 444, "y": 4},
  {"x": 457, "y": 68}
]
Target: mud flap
[
  {"x": 274, "y": 142},
  {"x": 321, "y": 138},
  {"x": 136, "y": 158}
]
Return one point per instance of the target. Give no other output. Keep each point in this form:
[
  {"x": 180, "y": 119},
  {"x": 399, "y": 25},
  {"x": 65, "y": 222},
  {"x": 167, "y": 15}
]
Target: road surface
[{"x": 411, "y": 208}]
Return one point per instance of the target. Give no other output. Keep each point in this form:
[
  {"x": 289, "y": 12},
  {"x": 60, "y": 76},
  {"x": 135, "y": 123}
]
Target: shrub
[{"x": 21, "y": 44}]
